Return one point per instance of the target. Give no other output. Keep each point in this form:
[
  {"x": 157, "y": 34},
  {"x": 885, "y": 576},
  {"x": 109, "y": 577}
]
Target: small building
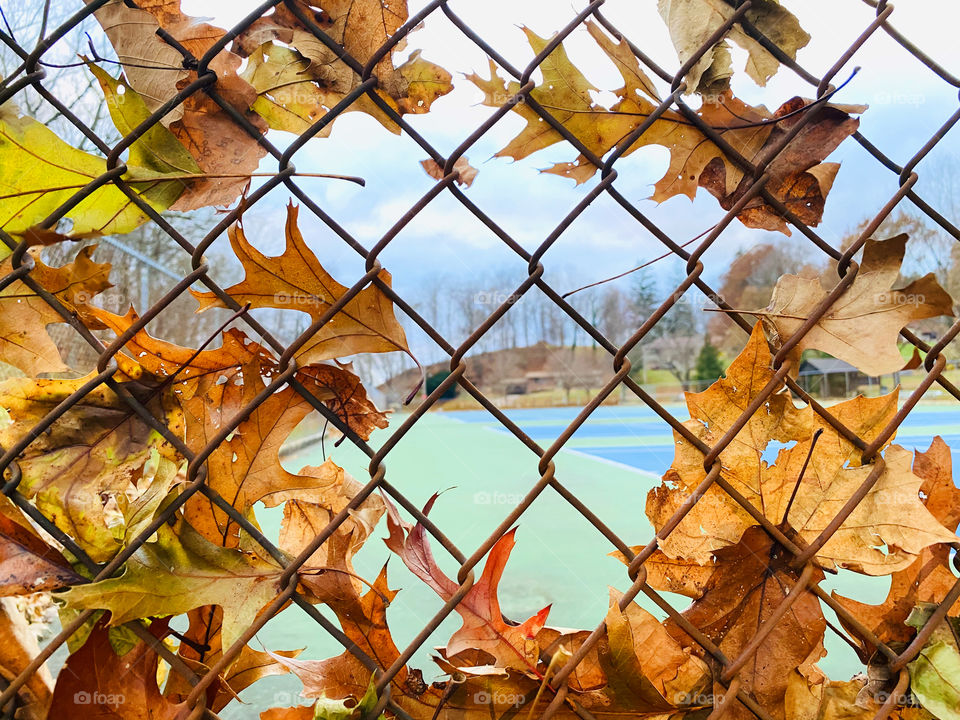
[
  {"x": 830, "y": 377},
  {"x": 540, "y": 380}
]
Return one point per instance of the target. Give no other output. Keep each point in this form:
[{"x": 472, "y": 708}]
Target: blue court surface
[{"x": 633, "y": 435}]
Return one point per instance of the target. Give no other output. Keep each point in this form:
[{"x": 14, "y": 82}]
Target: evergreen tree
[{"x": 709, "y": 367}]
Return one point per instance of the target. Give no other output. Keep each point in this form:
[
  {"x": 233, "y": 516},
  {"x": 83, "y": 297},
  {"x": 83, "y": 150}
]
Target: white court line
[{"x": 501, "y": 431}]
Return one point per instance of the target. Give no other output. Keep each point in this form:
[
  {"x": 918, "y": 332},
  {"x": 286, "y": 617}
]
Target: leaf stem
[{"x": 189, "y": 176}]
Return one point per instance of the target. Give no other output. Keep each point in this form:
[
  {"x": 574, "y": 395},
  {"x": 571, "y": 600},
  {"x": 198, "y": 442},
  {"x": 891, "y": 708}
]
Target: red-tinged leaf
[
  {"x": 98, "y": 684},
  {"x": 484, "y": 628},
  {"x": 27, "y": 563}
]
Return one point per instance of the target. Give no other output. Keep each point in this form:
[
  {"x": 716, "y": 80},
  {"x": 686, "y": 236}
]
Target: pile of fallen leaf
[{"x": 110, "y": 483}]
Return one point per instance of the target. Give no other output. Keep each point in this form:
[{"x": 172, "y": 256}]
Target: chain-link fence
[{"x": 33, "y": 74}]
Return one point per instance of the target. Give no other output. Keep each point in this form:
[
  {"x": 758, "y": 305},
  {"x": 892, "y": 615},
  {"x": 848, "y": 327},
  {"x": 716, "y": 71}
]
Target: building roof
[{"x": 826, "y": 365}]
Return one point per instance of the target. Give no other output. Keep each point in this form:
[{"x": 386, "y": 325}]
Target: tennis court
[{"x": 610, "y": 463}]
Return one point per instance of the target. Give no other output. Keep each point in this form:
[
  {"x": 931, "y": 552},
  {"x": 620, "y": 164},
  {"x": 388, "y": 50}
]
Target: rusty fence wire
[{"x": 32, "y": 73}]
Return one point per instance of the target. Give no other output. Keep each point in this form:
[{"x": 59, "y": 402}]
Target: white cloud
[{"x": 908, "y": 103}]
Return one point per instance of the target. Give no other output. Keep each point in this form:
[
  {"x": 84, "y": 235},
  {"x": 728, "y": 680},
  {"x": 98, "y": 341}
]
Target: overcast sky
[{"x": 907, "y": 103}]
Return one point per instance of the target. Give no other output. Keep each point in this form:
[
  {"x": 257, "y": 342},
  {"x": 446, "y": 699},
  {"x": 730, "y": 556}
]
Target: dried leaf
[
  {"x": 24, "y": 315},
  {"x": 42, "y": 172},
  {"x": 512, "y": 646},
  {"x": 693, "y": 22},
  {"x": 218, "y": 144},
  {"x": 157, "y": 149},
  {"x": 27, "y": 563},
  {"x": 929, "y": 578},
  {"x": 467, "y": 173},
  {"x": 307, "y": 515},
  {"x": 296, "y": 280},
  {"x": 178, "y": 572},
  {"x": 301, "y": 78},
  {"x": 133, "y": 33},
  {"x": 648, "y": 668},
  {"x": 364, "y": 622},
  {"x": 750, "y": 582},
  {"x": 836, "y": 700},
  {"x": 245, "y": 469},
  {"x": 214, "y": 379},
  {"x": 98, "y": 682},
  {"x": 798, "y": 177},
  {"x": 862, "y": 325},
  {"x": 94, "y": 452},
  {"x": 206, "y": 625},
  {"x": 18, "y": 647},
  {"x": 886, "y": 531}
]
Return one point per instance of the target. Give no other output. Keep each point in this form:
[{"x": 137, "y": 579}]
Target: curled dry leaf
[
  {"x": 298, "y": 78},
  {"x": 646, "y": 667},
  {"x": 799, "y": 179},
  {"x": 466, "y": 172},
  {"x": 296, "y": 280},
  {"x": 797, "y": 175},
  {"x": 96, "y": 451},
  {"x": 750, "y": 581},
  {"x": 27, "y": 563},
  {"x": 329, "y": 569},
  {"x": 116, "y": 685},
  {"x": 18, "y": 648},
  {"x": 24, "y": 316},
  {"x": 195, "y": 376},
  {"x": 822, "y": 699},
  {"x": 692, "y": 22},
  {"x": 364, "y": 621},
  {"x": 862, "y": 325},
  {"x": 206, "y": 649},
  {"x": 218, "y": 144}
]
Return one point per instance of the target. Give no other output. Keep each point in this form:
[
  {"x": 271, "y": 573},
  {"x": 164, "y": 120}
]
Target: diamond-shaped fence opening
[{"x": 159, "y": 282}]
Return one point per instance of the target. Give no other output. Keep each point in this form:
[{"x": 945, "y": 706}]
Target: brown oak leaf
[
  {"x": 884, "y": 533},
  {"x": 751, "y": 580},
  {"x": 299, "y": 78},
  {"x": 98, "y": 682},
  {"x": 296, "y": 280},
  {"x": 798, "y": 177},
  {"x": 222, "y": 148},
  {"x": 862, "y": 325}
]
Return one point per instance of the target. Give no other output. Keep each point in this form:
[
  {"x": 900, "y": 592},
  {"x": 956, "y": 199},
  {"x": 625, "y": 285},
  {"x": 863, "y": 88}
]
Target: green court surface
[{"x": 559, "y": 558}]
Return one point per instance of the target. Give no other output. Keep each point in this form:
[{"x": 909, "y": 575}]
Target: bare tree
[{"x": 28, "y": 22}]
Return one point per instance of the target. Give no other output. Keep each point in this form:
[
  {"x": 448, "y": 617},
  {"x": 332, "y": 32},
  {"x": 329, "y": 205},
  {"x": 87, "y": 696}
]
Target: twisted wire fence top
[{"x": 206, "y": 83}]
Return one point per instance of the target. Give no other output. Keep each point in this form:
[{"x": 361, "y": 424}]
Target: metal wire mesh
[{"x": 33, "y": 74}]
